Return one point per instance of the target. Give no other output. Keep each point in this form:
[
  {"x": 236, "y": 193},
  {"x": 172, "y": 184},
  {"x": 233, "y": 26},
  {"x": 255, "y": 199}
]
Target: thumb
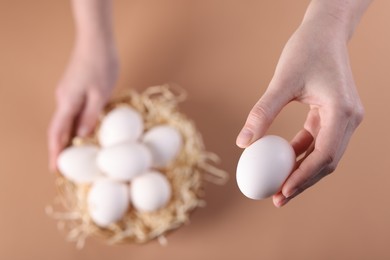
[
  {"x": 89, "y": 116},
  {"x": 262, "y": 115}
]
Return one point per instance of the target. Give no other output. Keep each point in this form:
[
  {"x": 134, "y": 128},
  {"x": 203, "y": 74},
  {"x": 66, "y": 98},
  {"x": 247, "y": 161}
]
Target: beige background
[{"x": 223, "y": 53}]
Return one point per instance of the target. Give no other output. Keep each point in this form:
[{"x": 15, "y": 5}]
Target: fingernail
[
  {"x": 245, "y": 137},
  {"x": 280, "y": 201},
  {"x": 83, "y": 131}
]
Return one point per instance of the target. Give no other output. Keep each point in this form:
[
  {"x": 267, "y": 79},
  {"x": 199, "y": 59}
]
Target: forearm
[
  {"x": 93, "y": 21},
  {"x": 338, "y": 17}
]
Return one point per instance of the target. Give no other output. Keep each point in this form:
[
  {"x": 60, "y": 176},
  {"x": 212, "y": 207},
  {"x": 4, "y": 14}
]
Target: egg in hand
[{"x": 264, "y": 166}]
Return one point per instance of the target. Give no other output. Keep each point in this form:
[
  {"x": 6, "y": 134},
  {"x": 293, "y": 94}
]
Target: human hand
[
  {"x": 81, "y": 94},
  {"x": 313, "y": 69}
]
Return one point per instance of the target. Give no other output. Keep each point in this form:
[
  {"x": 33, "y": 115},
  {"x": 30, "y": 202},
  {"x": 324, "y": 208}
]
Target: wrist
[
  {"x": 96, "y": 53},
  {"x": 93, "y": 24},
  {"x": 92, "y": 41},
  {"x": 335, "y": 17},
  {"x": 327, "y": 18}
]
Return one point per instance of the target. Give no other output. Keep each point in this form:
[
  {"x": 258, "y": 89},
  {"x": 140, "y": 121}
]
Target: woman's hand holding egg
[{"x": 314, "y": 70}]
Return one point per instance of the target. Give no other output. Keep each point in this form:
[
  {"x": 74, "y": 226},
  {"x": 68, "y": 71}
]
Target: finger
[
  {"x": 262, "y": 115},
  {"x": 89, "y": 116},
  {"x": 59, "y": 134},
  {"x": 313, "y": 164},
  {"x": 304, "y": 139},
  {"x": 280, "y": 200},
  {"x": 312, "y": 122},
  {"x": 301, "y": 142},
  {"x": 323, "y": 158}
]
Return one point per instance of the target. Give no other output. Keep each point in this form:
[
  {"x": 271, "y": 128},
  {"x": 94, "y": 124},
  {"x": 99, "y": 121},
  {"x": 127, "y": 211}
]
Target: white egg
[
  {"x": 108, "y": 202},
  {"x": 150, "y": 191},
  {"x": 78, "y": 163},
  {"x": 124, "y": 161},
  {"x": 165, "y": 143},
  {"x": 122, "y": 124},
  {"x": 264, "y": 166}
]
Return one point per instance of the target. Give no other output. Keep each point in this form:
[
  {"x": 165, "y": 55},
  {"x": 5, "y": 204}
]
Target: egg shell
[
  {"x": 264, "y": 166},
  {"x": 150, "y": 191},
  {"x": 122, "y": 124},
  {"x": 164, "y": 142},
  {"x": 108, "y": 201},
  {"x": 124, "y": 161},
  {"x": 78, "y": 163}
]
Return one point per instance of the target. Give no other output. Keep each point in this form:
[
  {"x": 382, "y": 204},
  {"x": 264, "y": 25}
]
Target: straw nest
[{"x": 157, "y": 105}]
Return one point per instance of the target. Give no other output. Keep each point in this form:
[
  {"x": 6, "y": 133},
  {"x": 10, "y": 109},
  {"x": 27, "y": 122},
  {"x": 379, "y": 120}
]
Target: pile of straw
[{"x": 157, "y": 105}]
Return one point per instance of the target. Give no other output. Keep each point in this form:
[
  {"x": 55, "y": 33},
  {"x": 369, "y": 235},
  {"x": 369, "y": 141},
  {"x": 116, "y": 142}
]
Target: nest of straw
[{"x": 157, "y": 105}]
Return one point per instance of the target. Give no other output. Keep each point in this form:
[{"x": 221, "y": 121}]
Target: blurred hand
[
  {"x": 313, "y": 69},
  {"x": 81, "y": 94}
]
